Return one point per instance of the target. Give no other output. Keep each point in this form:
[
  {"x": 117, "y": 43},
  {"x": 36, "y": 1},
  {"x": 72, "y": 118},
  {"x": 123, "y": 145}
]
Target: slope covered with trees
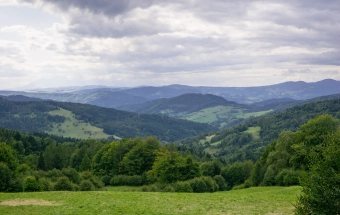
[
  {"x": 249, "y": 139},
  {"x": 42, "y": 116}
]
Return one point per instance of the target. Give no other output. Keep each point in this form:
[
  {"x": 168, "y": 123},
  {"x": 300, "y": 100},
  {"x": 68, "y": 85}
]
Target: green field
[
  {"x": 260, "y": 200},
  {"x": 72, "y": 127},
  {"x": 223, "y": 114},
  {"x": 255, "y": 131}
]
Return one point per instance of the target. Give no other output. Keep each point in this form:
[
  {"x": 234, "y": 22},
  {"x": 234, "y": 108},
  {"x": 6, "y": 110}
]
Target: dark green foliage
[
  {"x": 285, "y": 158},
  {"x": 44, "y": 184},
  {"x": 170, "y": 167},
  {"x": 85, "y": 163},
  {"x": 87, "y": 175},
  {"x": 5, "y": 177},
  {"x": 86, "y": 185},
  {"x": 105, "y": 179},
  {"x": 198, "y": 185},
  {"x": 33, "y": 117},
  {"x": 140, "y": 158},
  {"x": 237, "y": 173},
  {"x": 236, "y": 146},
  {"x": 63, "y": 183},
  {"x": 54, "y": 174},
  {"x": 287, "y": 177},
  {"x": 30, "y": 184},
  {"x": 169, "y": 188},
  {"x": 220, "y": 181},
  {"x": 7, "y": 156},
  {"x": 321, "y": 185},
  {"x": 107, "y": 160},
  {"x": 128, "y": 180},
  {"x": 211, "y": 168},
  {"x": 71, "y": 174},
  {"x": 183, "y": 187}
]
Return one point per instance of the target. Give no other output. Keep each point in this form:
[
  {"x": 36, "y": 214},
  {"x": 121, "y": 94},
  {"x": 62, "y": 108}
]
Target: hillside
[
  {"x": 84, "y": 121},
  {"x": 186, "y": 103},
  {"x": 248, "y": 139}
]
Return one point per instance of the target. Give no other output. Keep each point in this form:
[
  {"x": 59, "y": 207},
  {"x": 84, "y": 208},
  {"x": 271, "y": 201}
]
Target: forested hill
[
  {"x": 249, "y": 139},
  {"x": 87, "y": 121},
  {"x": 186, "y": 103}
]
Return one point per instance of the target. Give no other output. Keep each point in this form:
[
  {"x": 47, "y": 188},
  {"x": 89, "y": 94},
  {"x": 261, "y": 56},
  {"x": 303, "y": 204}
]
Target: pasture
[{"x": 258, "y": 200}]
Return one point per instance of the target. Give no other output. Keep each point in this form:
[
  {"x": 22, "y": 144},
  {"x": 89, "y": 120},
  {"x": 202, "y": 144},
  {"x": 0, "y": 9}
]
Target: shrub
[
  {"x": 287, "y": 177},
  {"x": 72, "y": 174},
  {"x": 198, "y": 185},
  {"x": 5, "y": 177},
  {"x": 86, "y": 185},
  {"x": 145, "y": 188},
  {"x": 105, "y": 179},
  {"x": 63, "y": 183},
  {"x": 54, "y": 174},
  {"x": 222, "y": 185},
  {"x": 153, "y": 188},
  {"x": 169, "y": 188},
  {"x": 44, "y": 184},
  {"x": 210, "y": 184},
  {"x": 183, "y": 187},
  {"x": 120, "y": 180},
  {"x": 30, "y": 184}
]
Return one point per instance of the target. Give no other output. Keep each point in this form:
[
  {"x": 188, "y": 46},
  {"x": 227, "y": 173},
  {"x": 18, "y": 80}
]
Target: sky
[{"x": 126, "y": 43}]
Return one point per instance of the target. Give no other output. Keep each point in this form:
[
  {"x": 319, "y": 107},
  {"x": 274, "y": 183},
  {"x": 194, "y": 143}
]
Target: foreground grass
[{"x": 261, "y": 200}]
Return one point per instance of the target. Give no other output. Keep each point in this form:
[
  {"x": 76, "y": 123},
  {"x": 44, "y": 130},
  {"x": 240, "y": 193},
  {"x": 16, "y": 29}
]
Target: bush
[
  {"x": 63, "y": 183},
  {"x": 183, "y": 187},
  {"x": 198, "y": 185},
  {"x": 54, "y": 174},
  {"x": 86, "y": 185},
  {"x": 287, "y": 177},
  {"x": 105, "y": 179},
  {"x": 120, "y": 180},
  {"x": 169, "y": 188},
  {"x": 44, "y": 184},
  {"x": 72, "y": 174},
  {"x": 5, "y": 177},
  {"x": 222, "y": 185},
  {"x": 30, "y": 184},
  {"x": 210, "y": 184},
  {"x": 87, "y": 175}
]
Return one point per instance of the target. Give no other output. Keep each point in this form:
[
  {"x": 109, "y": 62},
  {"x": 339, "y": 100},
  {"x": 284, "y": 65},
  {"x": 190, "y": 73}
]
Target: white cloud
[{"x": 235, "y": 43}]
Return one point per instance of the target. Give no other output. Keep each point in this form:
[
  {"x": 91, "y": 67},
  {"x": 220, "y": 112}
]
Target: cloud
[{"x": 221, "y": 42}]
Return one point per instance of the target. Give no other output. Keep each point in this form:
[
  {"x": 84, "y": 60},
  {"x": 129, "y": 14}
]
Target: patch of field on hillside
[
  {"x": 73, "y": 127},
  {"x": 259, "y": 200},
  {"x": 222, "y": 114},
  {"x": 255, "y": 131}
]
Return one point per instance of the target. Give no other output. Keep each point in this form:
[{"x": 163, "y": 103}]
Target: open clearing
[
  {"x": 73, "y": 127},
  {"x": 259, "y": 200}
]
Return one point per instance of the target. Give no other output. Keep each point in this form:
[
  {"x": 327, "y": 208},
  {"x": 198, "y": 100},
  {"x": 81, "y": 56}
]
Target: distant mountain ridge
[
  {"x": 188, "y": 103},
  {"x": 116, "y": 97}
]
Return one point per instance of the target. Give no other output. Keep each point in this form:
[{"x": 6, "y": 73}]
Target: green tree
[
  {"x": 321, "y": 185},
  {"x": 30, "y": 184},
  {"x": 85, "y": 163},
  {"x": 7, "y": 156},
  {"x": 170, "y": 167},
  {"x": 140, "y": 158}
]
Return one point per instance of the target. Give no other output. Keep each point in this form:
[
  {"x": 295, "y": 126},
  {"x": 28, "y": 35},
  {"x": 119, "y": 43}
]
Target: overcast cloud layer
[{"x": 50, "y": 43}]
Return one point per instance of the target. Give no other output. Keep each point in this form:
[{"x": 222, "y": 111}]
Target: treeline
[
  {"x": 31, "y": 163},
  {"x": 236, "y": 144},
  {"x": 34, "y": 117}
]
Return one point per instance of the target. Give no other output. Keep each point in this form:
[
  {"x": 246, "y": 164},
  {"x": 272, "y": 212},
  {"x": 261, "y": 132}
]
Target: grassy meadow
[
  {"x": 73, "y": 127},
  {"x": 259, "y": 200}
]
